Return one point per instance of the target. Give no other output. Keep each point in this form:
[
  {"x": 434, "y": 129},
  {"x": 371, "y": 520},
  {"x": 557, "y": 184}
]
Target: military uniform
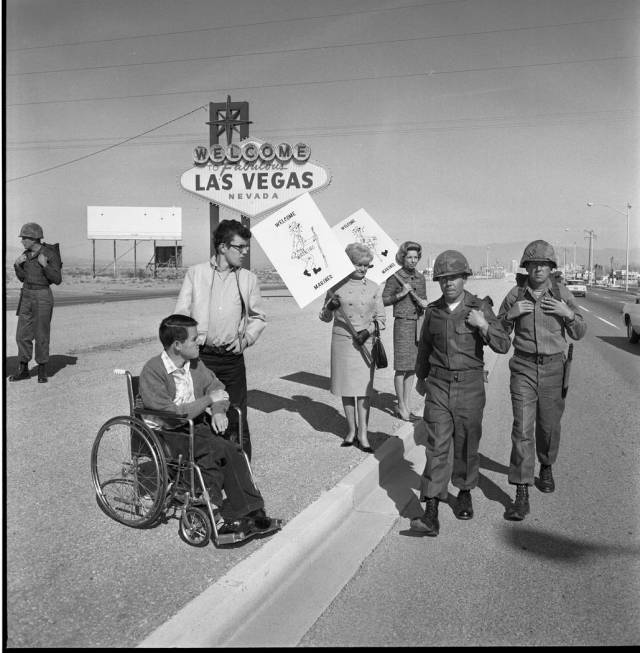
[
  {"x": 451, "y": 359},
  {"x": 35, "y": 308},
  {"x": 537, "y": 369}
]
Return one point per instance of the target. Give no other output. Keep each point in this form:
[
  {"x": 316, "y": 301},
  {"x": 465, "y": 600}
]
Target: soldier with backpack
[
  {"x": 539, "y": 312},
  {"x": 37, "y": 267},
  {"x": 450, "y": 373}
]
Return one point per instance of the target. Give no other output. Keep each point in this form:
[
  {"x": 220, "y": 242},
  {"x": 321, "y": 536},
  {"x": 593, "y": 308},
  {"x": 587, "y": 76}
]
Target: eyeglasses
[
  {"x": 366, "y": 266},
  {"x": 240, "y": 248}
]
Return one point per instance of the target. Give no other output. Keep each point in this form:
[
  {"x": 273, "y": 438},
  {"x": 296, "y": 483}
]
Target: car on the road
[
  {"x": 577, "y": 286},
  {"x": 631, "y": 313}
]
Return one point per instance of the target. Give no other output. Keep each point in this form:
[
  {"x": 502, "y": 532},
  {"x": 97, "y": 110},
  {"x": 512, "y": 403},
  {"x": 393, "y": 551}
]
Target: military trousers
[
  {"x": 34, "y": 324},
  {"x": 453, "y": 409},
  {"x": 537, "y": 403}
]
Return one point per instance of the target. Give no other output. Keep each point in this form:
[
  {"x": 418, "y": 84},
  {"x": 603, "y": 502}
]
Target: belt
[
  {"x": 27, "y": 285},
  {"x": 540, "y": 359},
  {"x": 454, "y": 375},
  {"x": 406, "y": 317},
  {"x": 214, "y": 349}
]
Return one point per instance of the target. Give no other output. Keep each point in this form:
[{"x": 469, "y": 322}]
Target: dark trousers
[
  {"x": 453, "y": 413},
  {"x": 537, "y": 403},
  {"x": 34, "y": 324},
  {"x": 230, "y": 369},
  {"x": 223, "y": 467}
]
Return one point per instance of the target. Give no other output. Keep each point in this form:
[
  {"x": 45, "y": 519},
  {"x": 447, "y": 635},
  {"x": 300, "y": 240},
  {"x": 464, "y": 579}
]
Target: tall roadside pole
[
  {"x": 591, "y": 234},
  {"x": 226, "y": 118}
]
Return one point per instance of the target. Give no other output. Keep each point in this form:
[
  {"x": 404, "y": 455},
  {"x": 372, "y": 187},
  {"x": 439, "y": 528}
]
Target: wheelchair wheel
[
  {"x": 195, "y": 526},
  {"x": 129, "y": 472}
]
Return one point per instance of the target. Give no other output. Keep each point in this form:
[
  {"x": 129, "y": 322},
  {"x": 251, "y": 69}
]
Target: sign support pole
[
  {"x": 93, "y": 265},
  {"x": 114, "y": 258},
  {"x": 227, "y": 117},
  {"x": 135, "y": 266}
]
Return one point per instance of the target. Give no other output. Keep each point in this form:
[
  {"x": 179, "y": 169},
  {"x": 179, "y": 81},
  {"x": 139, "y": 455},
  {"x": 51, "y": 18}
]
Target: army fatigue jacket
[
  {"x": 447, "y": 341},
  {"x": 538, "y": 332},
  {"x": 35, "y": 275}
]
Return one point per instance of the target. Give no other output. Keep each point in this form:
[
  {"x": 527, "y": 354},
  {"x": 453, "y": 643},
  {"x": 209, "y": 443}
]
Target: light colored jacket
[{"x": 195, "y": 296}]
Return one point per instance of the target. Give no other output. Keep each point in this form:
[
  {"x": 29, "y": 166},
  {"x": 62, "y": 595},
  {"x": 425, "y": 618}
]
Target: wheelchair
[{"x": 140, "y": 483}]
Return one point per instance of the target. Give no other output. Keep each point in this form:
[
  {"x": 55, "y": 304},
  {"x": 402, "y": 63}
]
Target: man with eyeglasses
[
  {"x": 540, "y": 312},
  {"x": 37, "y": 267},
  {"x": 225, "y": 300}
]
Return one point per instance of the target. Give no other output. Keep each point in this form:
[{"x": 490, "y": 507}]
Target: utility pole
[{"x": 591, "y": 235}]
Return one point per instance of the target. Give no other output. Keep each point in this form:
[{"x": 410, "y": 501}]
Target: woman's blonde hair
[
  {"x": 404, "y": 249},
  {"x": 357, "y": 252}
]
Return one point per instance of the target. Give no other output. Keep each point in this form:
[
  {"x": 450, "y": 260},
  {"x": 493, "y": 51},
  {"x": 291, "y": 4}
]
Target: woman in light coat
[{"x": 358, "y": 301}]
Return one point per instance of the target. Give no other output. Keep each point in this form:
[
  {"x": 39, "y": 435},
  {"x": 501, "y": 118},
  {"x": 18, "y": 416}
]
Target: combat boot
[
  {"x": 428, "y": 524},
  {"x": 21, "y": 373},
  {"x": 464, "y": 506},
  {"x": 546, "y": 482},
  {"x": 520, "y": 507},
  {"x": 42, "y": 373}
]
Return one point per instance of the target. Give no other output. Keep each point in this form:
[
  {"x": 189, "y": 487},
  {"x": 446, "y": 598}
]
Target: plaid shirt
[{"x": 538, "y": 332}]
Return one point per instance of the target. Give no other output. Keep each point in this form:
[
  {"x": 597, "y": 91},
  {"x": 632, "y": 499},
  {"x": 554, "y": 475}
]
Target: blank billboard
[{"x": 134, "y": 222}]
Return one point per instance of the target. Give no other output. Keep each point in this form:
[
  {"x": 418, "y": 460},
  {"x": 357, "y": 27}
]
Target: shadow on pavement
[
  {"x": 545, "y": 544},
  {"x": 320, "y": 416},
  {"x": 308, "y": 378},
  {"x": 621, "y": 343},
  {"x": 55, "y": 364}
]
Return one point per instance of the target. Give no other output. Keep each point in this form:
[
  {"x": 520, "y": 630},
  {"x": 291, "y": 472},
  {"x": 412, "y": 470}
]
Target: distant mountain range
[{"x": 497, "y": 254}]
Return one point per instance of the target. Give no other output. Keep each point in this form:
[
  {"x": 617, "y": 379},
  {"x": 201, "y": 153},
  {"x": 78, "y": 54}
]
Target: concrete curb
[{"x": 245, "y": 587}]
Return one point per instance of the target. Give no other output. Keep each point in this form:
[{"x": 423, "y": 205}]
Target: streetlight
[{"x": 626, "y": 278}]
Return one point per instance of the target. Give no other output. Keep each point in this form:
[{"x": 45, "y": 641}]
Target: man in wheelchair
[{"x": 177, "y": 381}]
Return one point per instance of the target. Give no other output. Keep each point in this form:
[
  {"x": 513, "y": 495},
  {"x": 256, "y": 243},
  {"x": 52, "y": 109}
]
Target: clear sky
[{"x": 465, "y": 122}]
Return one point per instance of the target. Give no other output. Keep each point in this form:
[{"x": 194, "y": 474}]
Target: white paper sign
[
  {"x": 360, "y": 227},
  {"x": 303, "y": 249}
]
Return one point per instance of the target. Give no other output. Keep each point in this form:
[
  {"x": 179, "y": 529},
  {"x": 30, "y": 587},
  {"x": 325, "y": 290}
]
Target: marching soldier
[
  {"x": 540, "y": 312},
  {"x": 450, "y": 373},
  {"x": 37, "y": 267}
]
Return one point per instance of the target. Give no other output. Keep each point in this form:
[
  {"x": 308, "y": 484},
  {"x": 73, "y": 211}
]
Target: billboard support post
[
  {"x": 135, "y": 263},
  {"x": 93, "y": 266},
  {"x": 114, "y": 259},
  {"x": 155, "y": 261}
]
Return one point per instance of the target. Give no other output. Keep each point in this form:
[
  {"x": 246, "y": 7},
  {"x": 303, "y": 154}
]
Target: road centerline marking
[{"x": 607, "y": 322}]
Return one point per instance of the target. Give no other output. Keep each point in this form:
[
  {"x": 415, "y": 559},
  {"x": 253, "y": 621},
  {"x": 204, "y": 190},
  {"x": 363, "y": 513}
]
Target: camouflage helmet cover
[
  {"x": 450, "y": 262},
  {"x": 539, "y": 250},
  {"x": 31, "y": 230}
]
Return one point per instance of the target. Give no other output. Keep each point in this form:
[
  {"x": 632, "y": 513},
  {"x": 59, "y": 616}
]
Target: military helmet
[
  {"x": 449, "y": 263},
  {"x": 539, "y": 250},
  {"x": 31, "y": 230}
]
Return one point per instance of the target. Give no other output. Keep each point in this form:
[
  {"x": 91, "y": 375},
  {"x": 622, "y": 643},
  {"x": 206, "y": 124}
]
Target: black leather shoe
[
  {"x": 21, "y": 374},
  {"x": 518, "y": 510},
  {"x": 347, "y": 443},
  {"x": 428, "y": 524},
  {"x": 42, "y": 373},
  {"x": 464, "y": 507},
  {"x": 546, "y": 482}
]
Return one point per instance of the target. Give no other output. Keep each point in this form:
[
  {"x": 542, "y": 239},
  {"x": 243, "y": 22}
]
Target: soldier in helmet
[
  {"x": 37, "y": 267},
  {"x": 539, "y": 312},
  {"x": 450, "y": 373}
]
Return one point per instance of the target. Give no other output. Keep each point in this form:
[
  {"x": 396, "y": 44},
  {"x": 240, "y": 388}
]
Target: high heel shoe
[
  {"x": 347, "y": 443},
  {"x": 364, "y": 449}
]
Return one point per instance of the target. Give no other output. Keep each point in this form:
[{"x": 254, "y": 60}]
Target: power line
[
  {"x": 105, "y": 149},
  {"x": 240, "y": 25},
  {"x": 449, "y": 123},
  {"x": 313, "y": 48},
  {"x": 430, "y": 73}
]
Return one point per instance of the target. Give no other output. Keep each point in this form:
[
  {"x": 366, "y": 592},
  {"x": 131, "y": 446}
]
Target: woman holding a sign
[
  {"x": 406, "y": 290},
  {"x": 353, "y": 305}
]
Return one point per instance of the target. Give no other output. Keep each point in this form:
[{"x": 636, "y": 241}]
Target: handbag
[{"x": 378, "y": 354}]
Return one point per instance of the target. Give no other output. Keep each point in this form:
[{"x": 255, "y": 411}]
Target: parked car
[
  {"x": 631, "y": 313},
  {"x": 577, "y": 286}
]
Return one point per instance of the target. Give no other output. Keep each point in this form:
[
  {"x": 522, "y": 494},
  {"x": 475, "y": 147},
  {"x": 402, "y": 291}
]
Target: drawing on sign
[
  {"x": 370, "y": 241},
  {"x": 304, "y": 249}
]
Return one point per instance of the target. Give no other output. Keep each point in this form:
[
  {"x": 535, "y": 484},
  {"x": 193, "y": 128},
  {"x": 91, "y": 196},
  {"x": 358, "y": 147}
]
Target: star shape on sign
[{"x": 229, "y": 121}]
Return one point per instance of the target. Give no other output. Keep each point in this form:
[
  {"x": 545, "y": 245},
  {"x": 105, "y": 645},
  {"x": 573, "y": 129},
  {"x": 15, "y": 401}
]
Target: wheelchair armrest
[{"x": 162, "y": 413}]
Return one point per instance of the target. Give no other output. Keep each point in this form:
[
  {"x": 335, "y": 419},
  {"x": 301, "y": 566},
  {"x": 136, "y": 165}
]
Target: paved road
[{"x": 567, "y": 575}]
